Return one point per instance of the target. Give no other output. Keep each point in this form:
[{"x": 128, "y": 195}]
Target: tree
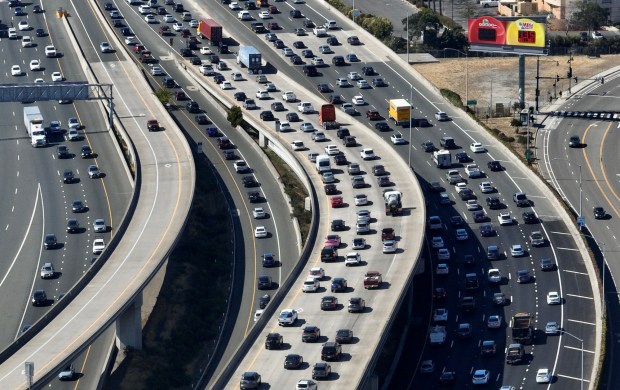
[
  {"x": 423, "y": 20},
  {"x": 378, "y": 26},
  {"x": 452, "y": 39},
  {"x": 468, "y": 9},
  {"x": 235, "y": 116},
  {"x": 590, "y": 15}
]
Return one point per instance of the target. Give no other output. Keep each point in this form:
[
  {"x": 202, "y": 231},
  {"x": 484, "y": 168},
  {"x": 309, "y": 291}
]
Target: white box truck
[
  {"x": 33, "y": 120},
  {"x": 323, "y": 163}
]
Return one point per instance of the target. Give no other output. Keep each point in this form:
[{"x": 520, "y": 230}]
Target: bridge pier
[
  {"x": 129, "y": 326},
  {"x": 263, "y": 141}
]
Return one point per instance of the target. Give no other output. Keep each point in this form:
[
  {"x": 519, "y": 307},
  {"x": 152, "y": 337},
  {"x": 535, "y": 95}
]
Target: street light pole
[
  {"x": 580, "y": 194},
  {"x": 581, "y": 341},
  {"x": 410, "y": 120}
]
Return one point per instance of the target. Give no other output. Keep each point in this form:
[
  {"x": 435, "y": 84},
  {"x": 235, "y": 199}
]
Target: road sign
[
  {"x": 356, "y": 13},
  {"x": 472, "y": 102},
  {"x": 581, "y": 221}
]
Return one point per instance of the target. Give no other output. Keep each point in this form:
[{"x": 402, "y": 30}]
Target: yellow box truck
[{"x": 400, "y": 111}]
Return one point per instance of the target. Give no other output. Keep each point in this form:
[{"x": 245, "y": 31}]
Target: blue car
[{"x": 212, "y": 132}]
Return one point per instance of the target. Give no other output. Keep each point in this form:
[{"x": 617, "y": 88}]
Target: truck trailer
[
  {"x": 33, "y": 120},
  {"x": 522, "y": 329},
  {"x": 327, "y": 113},
  {"x": 250, "y": 57},
  {"x": 211, "y": 30},
  {"x": 400, "y": 111}
]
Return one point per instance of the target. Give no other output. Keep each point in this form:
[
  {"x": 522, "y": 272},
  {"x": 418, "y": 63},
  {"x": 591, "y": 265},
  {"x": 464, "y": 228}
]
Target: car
[
  {"x": 464, "y": 330},
  {"x": 250, "y": 380},
  {"x": 389, "y": 246},
  {"x": 493, "y": 252},
  {"x": 68, "y": 176},
  {"x": 441, "y": 116},
  {"x": 358, "y": 243},
  {"x": 293, "y": 361},
  {"x": 428, "y": 146},
  {"x": 427, "y": 367},
  {"x": 505, "y": 219},
  {"x": 131, "y": 41},
  {"x": 27, "y": 41},
  {"x": 477, "y": 147},
  {"x": 398, "y": 139},
  {"x": 546, "y": 264},
  {"x": 260, "y": 232},
  {"x": 86, "y": 151},
  {"x": 68, "y": 373},
  {"x": 440, "y": 294},
  {"x": 94, "y": 172},
  {"x": 332, "y": 240},
  {"x": 358, "y": 100},
  {"x": 105, "y": 47},
  {"x": 16, "y": 70},
  {"x": 440, "y": 315},
  {"x": 537, "y": 239},
  {"x": 362, "y": 227},
  {"x": 47, "y": 271},
  {"x": 258, "y": 314},
  {"x": 328, "y": 177},
  {"x": 574, "y": 141},
  {"x": 352, "y": 259},
  {"x": 329, "y": 303},
  {"x": 98, "y": 245},
  {"x": 488, "y": 347},
  {"x": 529, "y": 217},
  {"x": 516, "y": 250},
  {"x": 552, "y": 328},
  {"x": 494, "y": 275},
  {"x": 494, "y": 202},
  {"x": 378, "y": 82},
  {"x": 23, "y": 25},
  {"x": 435, "y": 186},
  {"x": 352, "y": 57},
  {"x": 543, "y": 375},
  {"x": 263, "y": 282},
  {"x": 486, "y": 230},
  {"x": 382, "y": 126},
  {"x": 599, "y": 212},
  {"x": 318, "y": 136},
  {"x": 462, "y": 157},
  {"x": 437, "y": 242},
  {"x": 367, "y": 154},
  {"x": 362, "y": 84},
  {"x": 486, "y": 187},
  {"x": 494, "y": 166},
  {"x": 461, "y": 235},
  {"x": 494, "y": 321},
  {"x": 553, "y": 298},
  {"x": 330, "y": 189},
  {"x": 479, "y": 216},
  {"x": 480, "y": 377},
  {"x": 442, "y": 269},
  {"x": 471, "y": 204},
  {"x": 62, "y": 152},
  {"x": 57, "y": 76}
]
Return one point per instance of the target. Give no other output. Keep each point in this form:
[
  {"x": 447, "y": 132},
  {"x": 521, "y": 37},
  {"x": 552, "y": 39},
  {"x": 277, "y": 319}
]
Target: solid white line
[
  {"x": 572, "y": 377},
  {"x": 568, "y": 234},
  {"x": 579, "y": 349},
  {"x": 568, "y": 249},
  {"x": 581, "y": 322},
  {"x": 575, "y": 272},
  {"x": 578, "y": 296}
]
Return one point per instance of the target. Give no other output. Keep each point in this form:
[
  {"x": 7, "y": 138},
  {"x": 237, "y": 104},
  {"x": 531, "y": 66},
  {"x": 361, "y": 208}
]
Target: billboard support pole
[
  {"x": 537, "y": 81},
  {"x": 522, "y": 80}
]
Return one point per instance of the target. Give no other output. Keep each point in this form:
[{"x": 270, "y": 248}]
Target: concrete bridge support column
[
  {"x": 129, "y": 326},
  {"x": 262, "y": 140}
]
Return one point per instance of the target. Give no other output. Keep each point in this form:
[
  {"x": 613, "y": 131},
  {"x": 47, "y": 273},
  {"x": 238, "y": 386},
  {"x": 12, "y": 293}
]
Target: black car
[
  {"x": 494, "y": 203},
  {"x": 266, "y": 116},
  {"x": 307, "y": 53},
  {"x": 108, "y": 6},
  {"x": 321, "y": 371},
  {"x": 293, "y": 361},
  {"x": 39, "y": 297},
  {"x": 311, "y": 334},
  {"x": 479, "y": 216},
  {"x": 344, "y": 336},
  {"x": 192, "y": 107},
  {"x": 338, "y": 225},
  {"x": 169, "y": 82},
  {"x": 546, "y": 264},
  {"x": 67, "y": 176},
  {"x": 40, "y": 32},
  {"x": 77, "y": 206},
  {"x": 456, "y": 221},
  {"x": 195, "y": 60},
  {"x": 333, "y": 41},
  {"x": 277, "y": 106},
  {"x": 279, "y": 44},
  {"x": 269, "y": 260},
  {"x": 494, "y": 166},
  {"x": 292, "y": 117},
  {"x": 463, "y": 330},
  {"x": 296, "y": 60},
  {"x": 62, "y": 152},
  {"x": 435, "y": 186},
  {"x": 308, "y": 23},
  {"x": 185, "y": 52},
  {"x": 240, "y": 96},
  {"x": 428, "y": 146},
  {"x": 86, "y": 151},
  {"x": 462, "y": 157},
  {"x": 378, "y": 82},
  {"x": 264, "y": 301},
  {"x": 274, "y": 341},
  {"x": 331, "y": 351},
  {"x": 382, "y": 126},
  {"x": 486, "y": 230},
  {"x": 126, "y": 32},
  {"x": 295, "y": 13},
  {"x": 349, "y": 141},
  {"x": 201, "y": 119},
  {"x": 439, "y": 294},
  {"x": 249, "y": 181},
  {"x": 263, "y": 282},
  {"x": 330, "y": 189},
  {"x": 329, "y": 253},
  {"x": 298, "y": 45},
  {"x": 447, "y": 378},
  {"x": 529, "y": 217},
  {"x": 254, "y": 196},
  {"x": 340, "y": 159},
  {"x": 574, "y": 142},
  {"x": 73, "y": 226},
  {"x": 338, "y": 61},
  {"x": 50, "y": 241},
  {"x": 469, "y": 260},
  {"x": 343, "y": 132},
  {"x": 218, "y": 78},
  {"x": 599, "y": 212},
  {"x": 329, "y": 303},
  {"x": 336, "y": 99},
  {"x": 467, "y": 194},
  {"x": 323, "y": 88},
  {"x": 368, "y": 71}
]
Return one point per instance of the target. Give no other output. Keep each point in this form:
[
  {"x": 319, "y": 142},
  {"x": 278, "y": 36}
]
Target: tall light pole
[
  {"x": 407, "y": 40},
  {"x": 581, "y": 341},
  {"x": 466, "y": 72}
]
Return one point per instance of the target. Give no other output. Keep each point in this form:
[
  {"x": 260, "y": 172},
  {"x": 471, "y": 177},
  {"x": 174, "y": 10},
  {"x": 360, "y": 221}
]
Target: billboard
[{"x": 519, "y": 35}]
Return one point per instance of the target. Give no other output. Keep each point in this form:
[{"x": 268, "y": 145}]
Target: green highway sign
[{"x": 472, "y": 102}]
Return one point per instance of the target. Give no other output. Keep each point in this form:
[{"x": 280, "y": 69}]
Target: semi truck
[
  {"x": 400, "y": 111},
  {"x": 442, "y": 158},
  {"x": 211, "y": 30},
  {"x": 33, "y": 120},
  {"x": 327, "y": 113},
  {"x": 250, "y": 57},
  {"x": 437, "y": 335},
  {"x": 393, "y": 202},
  {"x": 522, "y": 329}
]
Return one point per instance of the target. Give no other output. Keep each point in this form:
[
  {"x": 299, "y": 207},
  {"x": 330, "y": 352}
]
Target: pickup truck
[
  {"x": 473, "y": 171},
  {"x": 437, "y": 335},
  {"x": 372, "y": 279},
  {"x": 453, "y": 176}
]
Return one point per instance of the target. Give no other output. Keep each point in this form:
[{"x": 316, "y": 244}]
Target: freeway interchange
[{"x": 575, "y": 315}]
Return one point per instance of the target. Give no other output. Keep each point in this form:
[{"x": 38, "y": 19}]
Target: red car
[
  {"x": 387, "y": 234},
  {"x": 373, "y": 115},
  {"x": 337, "y": 201},
  {"x": 332, "y": 240}
]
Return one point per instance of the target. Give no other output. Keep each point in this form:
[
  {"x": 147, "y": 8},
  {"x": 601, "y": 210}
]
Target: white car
[
  {"x": 311, "y": 285},
  {"x": 289, "y": 96},
  {"x": 259, "y": 213},
  {"x": 332, "y": 150},
  {"x": 354, "y": 76},
  {"x": 39, "y": 81},
  {"x": 318, "y": 61},
  {"x": 480, "y": 377},
  {"x": 486, "y": 187},
  {"x": 264, "y": 15},
  {"x": 260, "y": 232},
  {"x": 23, "y": 25},
  {"x": 317, "y": 273},
  {"x": 389, "y": 246},
  {"x": 440, "y": 315},
  {"x": 73, "y": 135},
  {"x": 553, "y": 298},
  {"x": 12, "y": 33},
  {"x": 73, "y": 123},
  {"x": 516, "y": 250},
  {"x": 287, "y": 317},
  {"x": 362, "y": 84},
  {"x": 367, "y": 154},
  {"x": 442, "y": 269},
  {"x": 47, "y": 271},
  {"x": 99, "y": 226},
  {"x": 543, "y": 375},
  {"x": 93, "y": 172},
  {"x": 360, "y": 200},
  {"x": 262, "y": 95},
  {"x": 226, "y": 85},
  {"x": 131, "y": 41},
  {"x": 460, "y": 187},
  {"x": 157, "y": 71},
  {"x": 494, "y": 322},
  {"x": 441, "y": 116},
  {"x": 257, "y": 314},
  {"x": 177, "y": 26},
  {"x": 472, "y": 205},
  {"x": 397, "y": 139},
  {"x": 443, "y": 254},
  {"x": 494, "y": 275},
  {"x": 16, "y": 70},
  {"x": 57, "y": 76},
  {"x": 461, "y": 235},
  {"x": 504, "y": 219},
  {"x": 50, "y": 51},
  {"x": 437, "y": 242},
  {"x": 168, "y": 18},
  {"x": 150, "y": 19},
  {"x": 352, "y": 258},
  {"x": 205, "y": 50},
  {"x": 358, "y": 100},
  {"x": 236, "y": 76},
  {"x": 35, "y": 65},
  {"x": 206, "y": 70},
  {"x": 305, "y": 107},
  {"x": 193, "y": 23},
  {"x": 27, "y": 41},
  {"x": 98, "y": 245},
  {"x": 241, "y": 166},
  {"x": 476, "y": 147},
  {"x": 298, "y": 145},
  {"x": 234, "y": 6},
  {"x": 285, "y": 126}
]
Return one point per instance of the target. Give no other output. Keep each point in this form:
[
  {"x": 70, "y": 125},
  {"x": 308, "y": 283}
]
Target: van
[
  {"x": 319, "y": 32},
  {"x": 323, "y": 163},
  {"x": 261, "y": 79},
  {"x": 144, "y": 9},
  {"x": 331, "y": 25}
]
